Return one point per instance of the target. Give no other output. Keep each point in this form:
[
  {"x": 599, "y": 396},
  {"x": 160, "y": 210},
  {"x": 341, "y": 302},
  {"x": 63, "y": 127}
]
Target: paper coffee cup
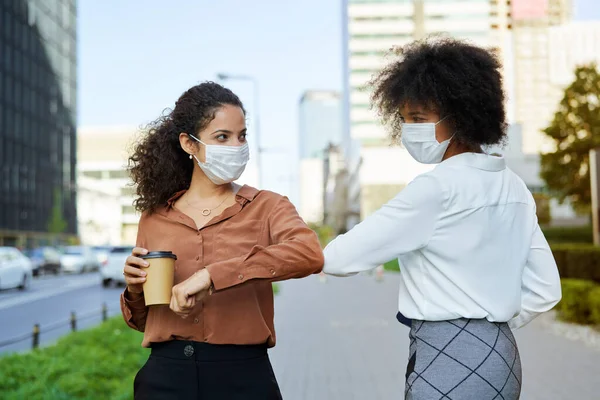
[{"x": 159, "y": 277}]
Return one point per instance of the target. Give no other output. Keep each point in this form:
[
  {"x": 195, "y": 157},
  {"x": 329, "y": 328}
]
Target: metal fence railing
[{"x": 37, "y": 330}]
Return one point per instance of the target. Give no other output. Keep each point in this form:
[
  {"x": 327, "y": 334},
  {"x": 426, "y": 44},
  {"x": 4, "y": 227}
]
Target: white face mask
[
  {"x": 224, "y": 164},
  {"x": 419, "y": 139}
]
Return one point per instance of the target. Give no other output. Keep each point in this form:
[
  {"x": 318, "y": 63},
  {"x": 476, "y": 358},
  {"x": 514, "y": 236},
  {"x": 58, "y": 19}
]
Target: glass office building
[{"x": 38, "y": 107}]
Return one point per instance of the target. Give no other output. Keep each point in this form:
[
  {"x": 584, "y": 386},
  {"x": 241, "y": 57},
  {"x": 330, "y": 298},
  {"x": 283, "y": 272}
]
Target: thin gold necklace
[{"x": 206, "y": 211}]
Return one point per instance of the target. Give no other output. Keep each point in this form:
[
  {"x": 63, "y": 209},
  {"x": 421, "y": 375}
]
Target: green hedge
[
  {"x": 569, "y": 234},
  {"x": 594, "y": 299},
  {"x": 577, "y": 260},
  {"x": 580, "y": 302},
  {"x": 99, "y": 363},
  {"x": 392, "y": 266}
]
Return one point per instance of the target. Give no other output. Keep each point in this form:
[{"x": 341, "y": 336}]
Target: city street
[
  {"x": 49, "y": 302},
  {"x": 340, "y": 341}
]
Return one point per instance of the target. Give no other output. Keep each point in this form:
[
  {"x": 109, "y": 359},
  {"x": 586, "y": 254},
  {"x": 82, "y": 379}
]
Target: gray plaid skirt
[{"x": 462, "y": 359}]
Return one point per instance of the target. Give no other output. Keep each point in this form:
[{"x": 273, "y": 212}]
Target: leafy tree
[
  {"x": 575, "y": 130},
  {"x": 57, "y": 223}
]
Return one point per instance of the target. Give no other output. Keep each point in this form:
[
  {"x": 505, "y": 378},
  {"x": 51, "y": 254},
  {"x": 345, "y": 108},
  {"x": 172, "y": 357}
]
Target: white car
[
  {"x": 112, "y": 269},
  {"x": 102, "y": 253},
  {"x": 78, "y": 259},
  {"x": 15, "y": 269}
]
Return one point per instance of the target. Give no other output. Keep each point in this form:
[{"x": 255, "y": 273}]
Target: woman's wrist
[
  {"x": 133, "y": 295},
  {"x": 203, "y": 281}
]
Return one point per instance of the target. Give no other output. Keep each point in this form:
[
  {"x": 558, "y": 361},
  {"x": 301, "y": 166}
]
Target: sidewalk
[{"x": 340, "y": 340}]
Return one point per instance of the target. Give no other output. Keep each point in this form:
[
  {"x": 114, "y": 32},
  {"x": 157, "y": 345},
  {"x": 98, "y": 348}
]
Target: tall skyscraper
[
  {"x": 572, "y": 45},
  {"x": 536, "y": 98},
  {"x": 320, "y": 119},
  {"x": 320, "y": 122},
  {"x": 38, "y": 101}
]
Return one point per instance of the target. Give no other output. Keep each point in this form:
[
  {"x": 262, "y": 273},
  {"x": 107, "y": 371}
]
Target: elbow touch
[
  {"x": 557, "y": 297},
  {"x": 316, "y": 262},
  {"x": 319, "y": 261}
]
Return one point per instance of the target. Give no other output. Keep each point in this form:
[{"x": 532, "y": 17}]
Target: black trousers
[{"x": 185, "y": 370}]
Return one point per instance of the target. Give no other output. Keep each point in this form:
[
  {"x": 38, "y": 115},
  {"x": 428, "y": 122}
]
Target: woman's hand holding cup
[{"x": 133, "y": 271}]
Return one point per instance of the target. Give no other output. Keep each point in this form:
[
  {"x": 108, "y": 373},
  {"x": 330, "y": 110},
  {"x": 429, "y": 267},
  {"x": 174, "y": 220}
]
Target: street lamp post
[{"x": 259, "y": 149}]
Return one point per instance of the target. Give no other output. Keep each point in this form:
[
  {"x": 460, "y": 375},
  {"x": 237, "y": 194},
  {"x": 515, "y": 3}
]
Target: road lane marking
[{"x": 69, "y": 286}]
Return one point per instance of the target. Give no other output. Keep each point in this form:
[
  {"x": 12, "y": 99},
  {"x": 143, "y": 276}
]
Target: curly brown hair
[
  {"x": 452, "y": 77},
  {"x": 158, "y": 165}
]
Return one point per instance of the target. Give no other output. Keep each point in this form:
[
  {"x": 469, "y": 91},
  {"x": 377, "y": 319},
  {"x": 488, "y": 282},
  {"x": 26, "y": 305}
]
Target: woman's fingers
[
  {"x": 139, "y": 251},
  {"x": 133, "y": 271},
  {"x": 180, "y": 298},
  {"x": 136, "y": 262},
  {"x": 181, "y": 303},
  {"x": 134, "y": 281}
]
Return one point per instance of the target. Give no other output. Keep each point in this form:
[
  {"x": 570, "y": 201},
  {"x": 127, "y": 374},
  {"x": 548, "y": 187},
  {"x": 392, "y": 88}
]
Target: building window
[
  {"x": 362, "y": 123},
  {"x": 128, "y": 191},
  {"x": 93, "y": 174},
  {"x": 362, "y": 71},
  {"x": 369, "y": 53},
  {"x": 380, "y": 1},
  {"x": 381, "y": 18},
  {"x": 123, "y": 174},
  {"x": 128, "y": 210}
]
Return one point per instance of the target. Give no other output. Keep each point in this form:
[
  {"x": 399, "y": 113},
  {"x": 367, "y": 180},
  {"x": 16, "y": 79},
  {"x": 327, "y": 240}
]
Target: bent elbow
[
  {"x": 556, "y": 296},
  {"x": 316, "y": 260},
  {"x": 336, "y": 269}
]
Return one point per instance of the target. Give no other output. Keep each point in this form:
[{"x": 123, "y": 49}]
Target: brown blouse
[{"x": 258, "y": 240}]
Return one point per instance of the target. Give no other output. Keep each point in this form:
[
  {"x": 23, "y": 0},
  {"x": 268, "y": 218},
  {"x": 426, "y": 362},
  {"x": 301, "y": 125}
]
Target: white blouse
[{"x": 468, "y": 242}]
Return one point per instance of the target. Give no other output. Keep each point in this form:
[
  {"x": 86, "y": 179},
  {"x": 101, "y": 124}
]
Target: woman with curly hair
[
  {"x": 474, "y": 262},
  {"x": 230, "y": 241}
]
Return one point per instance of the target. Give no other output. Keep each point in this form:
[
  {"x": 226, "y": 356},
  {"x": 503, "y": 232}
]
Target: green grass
[
  {"x": 92, "y": 364},
  {"x": 392, "y": 266}
]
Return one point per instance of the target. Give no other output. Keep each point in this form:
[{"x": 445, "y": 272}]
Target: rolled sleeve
[
  {"x": 134, "y": 311},
  {"x": 295, "y": 253},
  {"x": 540, "y": 287}
]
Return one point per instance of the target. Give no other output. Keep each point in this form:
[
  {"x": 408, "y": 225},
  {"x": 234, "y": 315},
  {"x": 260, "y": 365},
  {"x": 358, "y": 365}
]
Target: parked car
[
  {"x": 102, "y": 253},
  {"x": 112, "y": 271},
  {"x": 78, "y": 259},
  {"x": 15, "y": 269},
  {"x": 44, "y": 260}
]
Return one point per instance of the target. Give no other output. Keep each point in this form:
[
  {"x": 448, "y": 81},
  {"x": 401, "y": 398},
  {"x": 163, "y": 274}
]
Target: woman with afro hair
[
  {"x": 474, "y": 262},
  {"x": 230, "y": 242}
]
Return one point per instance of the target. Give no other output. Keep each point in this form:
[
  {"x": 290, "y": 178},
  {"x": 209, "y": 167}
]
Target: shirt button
[
  {"x": 272, "y": 272},
  {"x": 241, "y": 277},
  {"x": 196, "y": 320}
]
